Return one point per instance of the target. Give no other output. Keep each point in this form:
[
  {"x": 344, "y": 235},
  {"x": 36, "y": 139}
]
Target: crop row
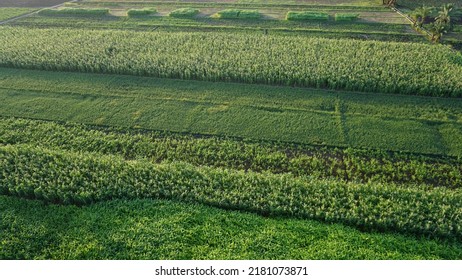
[
  {"x": 191, "y": 13},
  {"x": 309, "y": 15},
  {"x": 69, "y": 178},
  {"x": 233, "y": 5},
  {"x": 184, "y": 13},
  {"x": 141, "y": 12},
  {"x": 238, "y": 14},
  {"x": 342, "y": 164},
  {"x": 326, "y": 29},
  {"x": 371, "y": 66},
  {"x": 75, "y": 12}
]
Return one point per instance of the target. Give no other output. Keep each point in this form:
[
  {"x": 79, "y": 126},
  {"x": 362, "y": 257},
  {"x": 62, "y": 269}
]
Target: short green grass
[
  {"x": 7, "y": 13},
  {"x": 158, "y": 229},
  {"x": 388, "y": 122}
]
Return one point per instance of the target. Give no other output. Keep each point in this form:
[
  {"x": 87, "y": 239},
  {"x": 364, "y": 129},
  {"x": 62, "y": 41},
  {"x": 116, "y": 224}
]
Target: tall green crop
[
  {"x": 75, "y": 12},
  {"x": 306, "y": 16},
  {"x": 347, "y": 165},
  {"x": 370, "y": 66},
  {"x": 70, "y": 178},
  {"x": 141, "y": 12}
]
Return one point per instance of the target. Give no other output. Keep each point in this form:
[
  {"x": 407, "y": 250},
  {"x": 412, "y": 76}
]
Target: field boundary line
[{"x": 35, "y": 12}]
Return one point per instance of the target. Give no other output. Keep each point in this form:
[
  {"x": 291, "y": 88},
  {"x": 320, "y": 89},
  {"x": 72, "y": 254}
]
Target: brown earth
[{"x": 30, "y": 3}]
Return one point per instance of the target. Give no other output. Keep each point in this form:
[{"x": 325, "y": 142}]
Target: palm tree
[
  {"x": 444, "y": 16},
  {"x": 420, "y": 15},
  {"x": 437, "y": 29}
]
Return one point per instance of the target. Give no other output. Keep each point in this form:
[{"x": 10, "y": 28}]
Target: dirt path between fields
[{"x": 34, "y": 12}]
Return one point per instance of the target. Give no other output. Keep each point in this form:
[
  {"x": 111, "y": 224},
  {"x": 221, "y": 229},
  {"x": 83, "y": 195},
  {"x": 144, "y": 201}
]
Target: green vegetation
[
  {"x": 81, "y": 179},
  {"x": 346, "y": 17},
  {"x": 386, "y": 122},
  {"x": 140, "y": 136},
  {"x": 306, "y": 16},
  {"x": 327, "y": 29},
  {"x": 348, "y": 165},
  {"x": 412, "y": 4},
  {"x": 141, "y": 12},
  {"x": 160, "y": 229},
  {"x": 374, "y": 5},
  {"x": 184, "y": 13},
  {"x": 438, "y": 21},
  {"x": 238, "y": 14},
  {"x": 75, "y": 12},
  {"x": 7, "y": 13},
  {"x": 337, "y": 64}
]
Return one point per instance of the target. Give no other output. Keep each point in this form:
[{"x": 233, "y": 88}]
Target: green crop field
[
  {"x": 327, "y": 29},
  {"x": 250, "y": 129},
  {"x": 397, "y": 123},
  {"x": 7, "y": 13},
  {"x": 190, "y": 231},
  {"x": 322, "y": 63}
]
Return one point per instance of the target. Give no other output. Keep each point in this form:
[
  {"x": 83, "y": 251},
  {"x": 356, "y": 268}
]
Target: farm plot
[
  {"x": 349, "y": 165},
  {"x": 280, "y": 114},
  {"x": 141, "y": 145},
  {"x": 127, "y": 229},
  {"x": 359, "y": 30},
  {"x": 417, "y": 69},
  {"x": 374, "y": 23},
  {"x": 82, "y": 178},
  {"x": 266, "y": 11},
  {"x": 7, "y": 13}
]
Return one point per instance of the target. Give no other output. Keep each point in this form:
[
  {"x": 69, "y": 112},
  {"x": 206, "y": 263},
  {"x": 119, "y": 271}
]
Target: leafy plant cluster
[
  {"x": 69, "y": 178},
  {"x": 292, "y": 15},
  {"x": 184, "y": 13},
  {"x": 346, "y": 165},
  {"x": 238, "y": 14},
  {"x": 309, "y": 15},
  {"x": 141, "y": 12},
  {"x": 295, "y": 61},
  {"x": 75, "y": 11},
  {"x": 440, "y": 21},
  {"x": 346, "y": 17}
]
